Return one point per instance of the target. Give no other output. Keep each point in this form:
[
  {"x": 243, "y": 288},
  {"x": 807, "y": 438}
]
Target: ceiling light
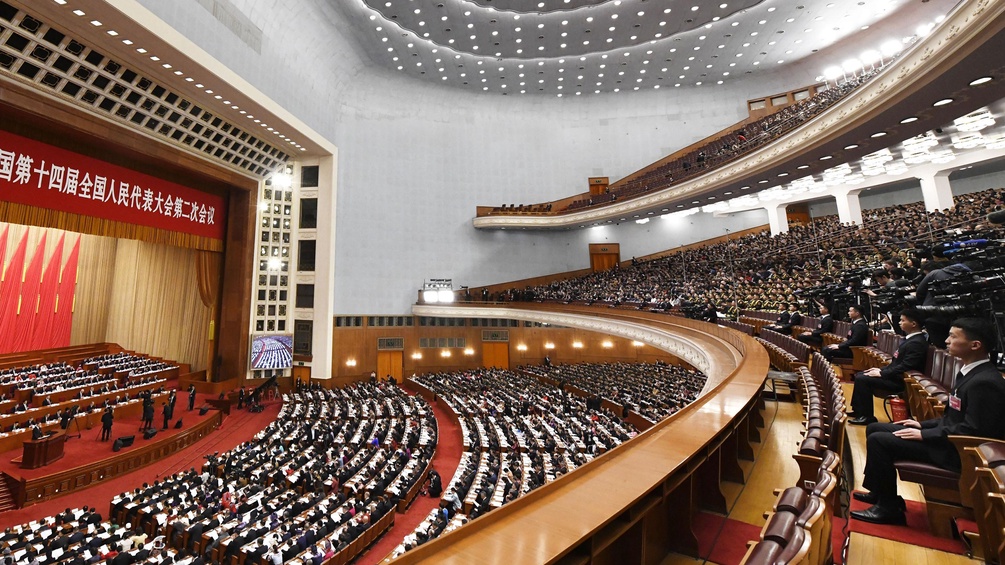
[
  {"x": 909, "y": 120},
  {"x": 943, "y": 102},
  {"x": 980, "y": 81}
]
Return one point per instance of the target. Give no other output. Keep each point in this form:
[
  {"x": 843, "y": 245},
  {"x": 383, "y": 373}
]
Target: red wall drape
[
  {"x": 64, "y": 303},
  {"x": 29, "y": 299},
  {"x": 10, "y": 292},
  {"x": 41, "y": 328}
]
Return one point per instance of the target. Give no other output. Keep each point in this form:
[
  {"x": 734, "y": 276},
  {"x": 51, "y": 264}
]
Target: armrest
[{"x": 970, "y": 459}]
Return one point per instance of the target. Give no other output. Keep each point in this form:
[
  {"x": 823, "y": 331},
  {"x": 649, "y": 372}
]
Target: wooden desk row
[
  {"x": 633, "y": 504},
  {"x": 37, "y": 414}
]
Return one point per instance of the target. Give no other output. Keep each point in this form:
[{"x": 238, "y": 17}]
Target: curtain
[
  {"x": 29, "y": 300},
  {"x": 41, "y": 326},
  {"x": 65, "y": 300},
  {"x": 156, "y": 306},
  {"x": 10, "y": 294},
  {"x": 209, "y": 268}
]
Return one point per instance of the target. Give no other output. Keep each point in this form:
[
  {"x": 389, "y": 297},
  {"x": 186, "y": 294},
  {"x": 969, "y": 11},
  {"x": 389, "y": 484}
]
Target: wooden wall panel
[
  {"x": 360, "y": 345},
  {"x": 235, "y": 300}
]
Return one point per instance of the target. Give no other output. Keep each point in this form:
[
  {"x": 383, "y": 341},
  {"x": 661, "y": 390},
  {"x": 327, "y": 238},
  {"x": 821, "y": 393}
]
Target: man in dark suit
[
  {"x": 974, "y": 409},
  {"x": 857, "y": 336},
  {"x": 910, "y": 356},
  {"x": 787, "y": 320},
  {"x": 815, "y": 337},
  {"x": 106, "y": 424}
]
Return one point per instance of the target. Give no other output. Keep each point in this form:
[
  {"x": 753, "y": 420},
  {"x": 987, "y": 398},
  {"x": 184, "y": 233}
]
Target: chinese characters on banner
[{"x": 38, "y": 174}]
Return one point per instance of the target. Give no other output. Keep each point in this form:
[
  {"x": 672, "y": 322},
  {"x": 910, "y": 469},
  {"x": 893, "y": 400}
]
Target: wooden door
[
  {"x": 301, "y": 375},
  {"x": 389, "y": 363},
  {"x": 495, "y": 354}
]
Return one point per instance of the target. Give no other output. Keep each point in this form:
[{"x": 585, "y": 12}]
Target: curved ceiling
[{"x": 582, "y": 47}]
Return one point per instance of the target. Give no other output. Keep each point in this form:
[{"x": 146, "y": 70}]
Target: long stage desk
[{"x": 634, "y": 504}]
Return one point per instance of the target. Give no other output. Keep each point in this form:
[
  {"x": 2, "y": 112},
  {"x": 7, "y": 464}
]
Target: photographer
[{"x": 909, "y": 356}]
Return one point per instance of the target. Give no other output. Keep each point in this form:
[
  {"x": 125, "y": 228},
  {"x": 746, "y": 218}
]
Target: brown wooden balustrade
[
  {"x": 635, "y": 503},
  {"x": 32, "y": 491}
]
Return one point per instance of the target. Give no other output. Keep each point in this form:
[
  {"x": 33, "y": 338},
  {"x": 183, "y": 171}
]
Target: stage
[{"x": 88, "y": 461}]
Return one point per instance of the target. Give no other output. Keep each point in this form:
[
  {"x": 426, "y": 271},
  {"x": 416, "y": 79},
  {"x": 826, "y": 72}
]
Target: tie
[{"x": 956, "y": 380}]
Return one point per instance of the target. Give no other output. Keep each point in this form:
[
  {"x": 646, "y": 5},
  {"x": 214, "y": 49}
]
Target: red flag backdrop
[{"x": 38, "y": 174}]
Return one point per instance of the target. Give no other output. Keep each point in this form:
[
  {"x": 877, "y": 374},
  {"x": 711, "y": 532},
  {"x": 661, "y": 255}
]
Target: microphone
[{"x": 997, "y": 217}]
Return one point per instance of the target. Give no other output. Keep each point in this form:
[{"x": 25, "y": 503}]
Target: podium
[{"x": 41, "y": 452}]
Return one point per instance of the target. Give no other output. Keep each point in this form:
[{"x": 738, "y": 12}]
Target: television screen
[{"x": 271, "y": 351}]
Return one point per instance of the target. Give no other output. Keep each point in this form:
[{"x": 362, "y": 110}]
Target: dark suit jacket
[
  {"x": 910, "y": 356},
  {"x": 982, "y": 395},
  {"x": 859, "y": 334},
  {"x": 826, "y": 326}
]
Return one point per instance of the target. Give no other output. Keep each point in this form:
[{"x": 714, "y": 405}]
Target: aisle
[{"x": 449, "y": 447}]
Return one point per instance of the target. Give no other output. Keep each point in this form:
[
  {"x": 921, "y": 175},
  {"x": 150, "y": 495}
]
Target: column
[
  {"x": 778, "y": 219},
  {"x": 324, "y": 270},
  {"x": 936, "y": 190},
  {"x": 849, "y": 207}
]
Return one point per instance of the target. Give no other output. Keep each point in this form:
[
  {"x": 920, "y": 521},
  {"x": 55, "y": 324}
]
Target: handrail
[{"x": 591, "y": 510}]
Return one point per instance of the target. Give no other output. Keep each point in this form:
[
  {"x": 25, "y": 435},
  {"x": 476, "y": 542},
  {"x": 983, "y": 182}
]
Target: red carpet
[
  {"x": 721, "y": 540},
  {"x": 916, "y": 531},
  {"x": 449, "y": 446},
  {"x": 87, "y": 449},
  {"x": 237, "y": 428}
]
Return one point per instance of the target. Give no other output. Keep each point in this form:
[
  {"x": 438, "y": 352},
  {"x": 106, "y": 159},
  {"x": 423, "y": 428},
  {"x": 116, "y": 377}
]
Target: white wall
[{"x": 416, "y": 158}]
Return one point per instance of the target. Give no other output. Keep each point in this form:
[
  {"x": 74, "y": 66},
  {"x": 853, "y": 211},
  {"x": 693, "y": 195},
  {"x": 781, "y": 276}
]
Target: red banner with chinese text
[{"x": 38, "y": 174}]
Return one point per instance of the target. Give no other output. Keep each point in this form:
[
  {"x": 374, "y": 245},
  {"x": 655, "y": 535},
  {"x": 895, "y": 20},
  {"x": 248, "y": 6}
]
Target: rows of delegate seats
[
  {"x": 518, "y": 434},
  {"x": 653, "y": 391},
  {"x": 798, "y": 526},
  {"x": 764, "y": 272},
  {"x": 723, "y": 148},
  {"x": 523, "y": 429},
  {"x": 52, "y": 394},
  {"x": 320, "y": 482}
]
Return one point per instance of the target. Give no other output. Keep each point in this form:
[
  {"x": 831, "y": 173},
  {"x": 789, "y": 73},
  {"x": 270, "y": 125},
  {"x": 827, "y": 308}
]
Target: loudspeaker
[
  {"x": 203, "y": 410},
  {"x": 126, "y": 440},
  {"x": 177, "y": 425},
  {"x": 149, "y": 433},
  {"x": 117, "y": 445}
]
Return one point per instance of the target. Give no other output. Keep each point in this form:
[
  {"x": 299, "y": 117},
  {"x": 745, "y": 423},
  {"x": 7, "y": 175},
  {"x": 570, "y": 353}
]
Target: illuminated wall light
[
  {"x": 577, "y": 345},
  {"x": 637, "y": 343},
  {"x": 469, "y": 351},
  {"x": 445, "y": 353},
  {"x": 350, "y": 363},
  {"x": 549, "y": 345},
  {"x": 607, "y": 345},
  {"x": 416, "y": 356},
  {"x": 521, "y": 347}
]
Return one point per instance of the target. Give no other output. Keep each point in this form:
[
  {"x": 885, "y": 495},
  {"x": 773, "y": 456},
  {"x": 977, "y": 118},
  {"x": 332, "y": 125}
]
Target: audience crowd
[
  {"x": 764, "y": 272},
  {"x": 717, "y": 151},
  {"x": 652, "y": 390},
  {"x": 522, "y": 429}
]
